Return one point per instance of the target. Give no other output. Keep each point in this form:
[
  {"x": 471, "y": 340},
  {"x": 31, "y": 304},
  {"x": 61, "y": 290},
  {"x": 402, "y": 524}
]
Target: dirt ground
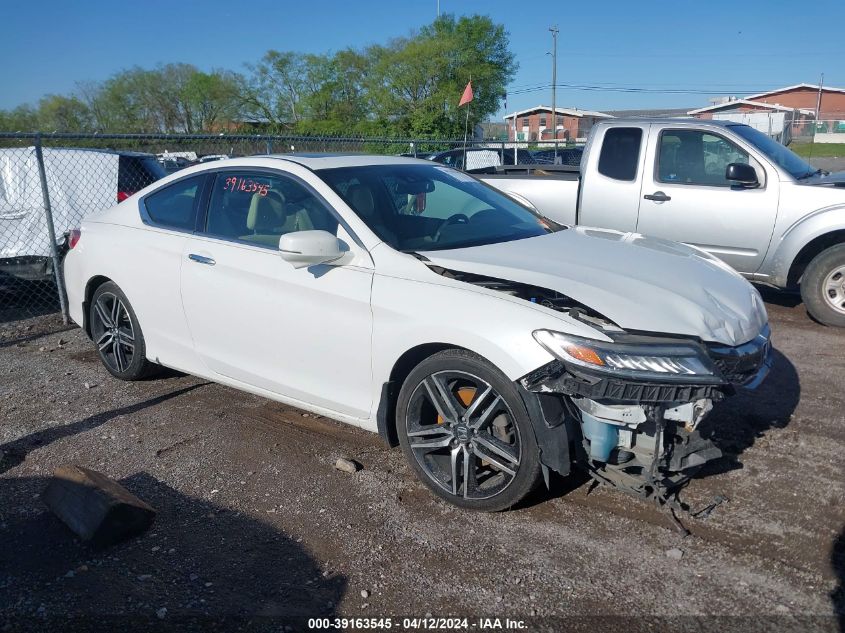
[{"x": 257, "y": 529}]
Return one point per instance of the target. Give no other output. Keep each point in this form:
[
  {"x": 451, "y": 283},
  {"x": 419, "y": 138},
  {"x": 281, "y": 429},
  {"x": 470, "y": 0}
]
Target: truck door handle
[
  {"x": 201, "y": 259},
  {"x": 657, "y": 196}
]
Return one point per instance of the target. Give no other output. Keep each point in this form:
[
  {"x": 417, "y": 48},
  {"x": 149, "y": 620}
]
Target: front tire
[
  {"x": 465, "y": 432},
  {"x": 823, "y": 287},
  {"x": 117, "y": 334}
]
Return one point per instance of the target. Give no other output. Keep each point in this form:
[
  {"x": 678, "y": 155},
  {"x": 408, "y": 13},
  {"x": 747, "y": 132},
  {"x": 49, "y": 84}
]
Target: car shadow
[
  {"x": 559, "y": 486},
  {"x": 738, "y": 421},
  {"x": 14, "y": 452},
  {"x": 784, "y": 298},
  {"x": 200, "y": 566}
]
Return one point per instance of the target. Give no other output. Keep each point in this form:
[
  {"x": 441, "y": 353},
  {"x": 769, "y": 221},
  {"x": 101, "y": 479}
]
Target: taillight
[
  {"x": 73, "y": 237},
  {"x": 123, "y": 195}
]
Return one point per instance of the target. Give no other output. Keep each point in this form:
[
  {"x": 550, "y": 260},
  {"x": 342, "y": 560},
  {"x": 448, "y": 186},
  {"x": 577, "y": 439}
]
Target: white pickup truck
[{"x": 723, "y": 187}]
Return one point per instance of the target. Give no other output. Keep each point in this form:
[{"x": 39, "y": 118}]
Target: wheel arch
[
  {"x": 90, "y": 288},
  {"x": 809, "y": 251},
  {"x": 386, "y": 411}
]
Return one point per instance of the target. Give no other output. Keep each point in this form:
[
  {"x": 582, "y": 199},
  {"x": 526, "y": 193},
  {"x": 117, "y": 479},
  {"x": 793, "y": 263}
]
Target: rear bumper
[{"x": 75, "y": 288}]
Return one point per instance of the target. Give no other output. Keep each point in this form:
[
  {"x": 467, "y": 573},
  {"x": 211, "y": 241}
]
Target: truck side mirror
[{"x": 742, "y": 174}]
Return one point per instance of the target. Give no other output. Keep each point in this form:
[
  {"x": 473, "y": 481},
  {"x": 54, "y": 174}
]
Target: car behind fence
[{"x": 49, "y": 182}]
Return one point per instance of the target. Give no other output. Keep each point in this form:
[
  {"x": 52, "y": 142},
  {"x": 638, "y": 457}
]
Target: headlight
[{"x": 660, "y": 361}]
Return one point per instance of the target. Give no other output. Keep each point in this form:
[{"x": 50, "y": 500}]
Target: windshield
[
  {"x": 785, "y": 158},
  {"x": 422, "y": 207}
]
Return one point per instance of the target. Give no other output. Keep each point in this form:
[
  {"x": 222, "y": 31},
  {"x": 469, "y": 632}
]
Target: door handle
[
  {"x": 657, "y": 196},
  {"x": 201, "y": 259}
]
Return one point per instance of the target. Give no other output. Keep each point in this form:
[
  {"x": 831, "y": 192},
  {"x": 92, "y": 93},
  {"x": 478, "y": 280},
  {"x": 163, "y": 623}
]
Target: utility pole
[
  {"x": 554, "y": 31},
  {"x": 438, "y": 8},
  {"x": 818, "y": 114},
  {"x": 819, "y": 99}
]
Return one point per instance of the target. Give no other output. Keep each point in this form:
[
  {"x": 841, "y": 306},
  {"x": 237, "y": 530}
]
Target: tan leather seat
[
  {"x": 361, "y": 199},
  {"x": 267, "y": 214},
  {"x": 271, "y": 215},
  {"x": 298, "y": 220}
]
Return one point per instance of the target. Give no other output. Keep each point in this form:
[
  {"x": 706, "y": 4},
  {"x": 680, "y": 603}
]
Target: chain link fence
[
  {"x": 49, "y": 182},
  {"x": 821, "y": 131}
]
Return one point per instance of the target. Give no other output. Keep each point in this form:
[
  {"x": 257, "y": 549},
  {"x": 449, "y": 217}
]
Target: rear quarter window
[
  {"x": 620, "y": 153},
  {"x": 175, "y": 206}
]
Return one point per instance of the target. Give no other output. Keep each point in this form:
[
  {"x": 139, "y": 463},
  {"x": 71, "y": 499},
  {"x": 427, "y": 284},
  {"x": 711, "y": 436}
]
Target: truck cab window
[
  {"x": 695, "y": 157},
  {"x": 620, "y": 153}
]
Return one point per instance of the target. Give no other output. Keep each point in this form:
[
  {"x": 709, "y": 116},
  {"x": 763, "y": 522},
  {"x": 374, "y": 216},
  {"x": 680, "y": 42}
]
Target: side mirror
[
  {"x": 308, "y": 248},
  {"x": 742, "y": 174}
]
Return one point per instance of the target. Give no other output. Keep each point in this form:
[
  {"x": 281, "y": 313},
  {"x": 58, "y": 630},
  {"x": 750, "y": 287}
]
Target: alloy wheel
[
  {"x": 112, "y": 331},
  {"x": 463, "y": 435}
]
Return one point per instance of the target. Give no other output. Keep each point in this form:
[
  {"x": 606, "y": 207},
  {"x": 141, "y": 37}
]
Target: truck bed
[{"x": 551, "y": 189}]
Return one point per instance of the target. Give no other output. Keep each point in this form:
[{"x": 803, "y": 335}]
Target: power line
[{"x": 634, "y": 89}]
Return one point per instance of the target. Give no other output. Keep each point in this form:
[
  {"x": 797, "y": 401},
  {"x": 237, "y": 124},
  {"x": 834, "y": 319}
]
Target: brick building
[
  {"x": 806, "y": 96},
  {"x": 744, "y": 106},
  {"x": 535, "y": 124},
  {"x": 802, "y": 98}
]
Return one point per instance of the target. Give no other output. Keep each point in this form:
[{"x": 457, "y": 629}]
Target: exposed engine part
[
  {"x": 625, "y": 414},
  {"x": 640, "y": 449},
  {"x": 542, "y": 296},
  {"x": 690, "y": 413}
]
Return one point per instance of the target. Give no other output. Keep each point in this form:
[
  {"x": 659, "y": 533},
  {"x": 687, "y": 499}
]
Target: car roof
[
  {"x": 331, "y": 161},
  {"x": 670, "y": 121}
]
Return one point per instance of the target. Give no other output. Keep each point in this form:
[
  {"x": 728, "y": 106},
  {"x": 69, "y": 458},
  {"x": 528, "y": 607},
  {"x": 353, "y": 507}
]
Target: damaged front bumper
[{"x": 638, "y": 435}]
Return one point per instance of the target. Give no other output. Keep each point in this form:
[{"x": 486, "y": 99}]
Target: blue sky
[{"x": 716, "y": 48}]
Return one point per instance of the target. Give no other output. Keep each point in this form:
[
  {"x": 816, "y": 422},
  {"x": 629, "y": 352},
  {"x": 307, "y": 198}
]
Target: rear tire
[
  {"x": 117, "y": 334},
  {"x": 465, "y": 432},
  {"x": 823, "y": 287}
]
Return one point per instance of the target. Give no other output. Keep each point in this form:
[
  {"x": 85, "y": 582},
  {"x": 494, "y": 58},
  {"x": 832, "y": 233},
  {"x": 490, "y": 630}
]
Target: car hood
[
  {"x": 836, "y": 179},
  {"x": 641, "y": 283}
]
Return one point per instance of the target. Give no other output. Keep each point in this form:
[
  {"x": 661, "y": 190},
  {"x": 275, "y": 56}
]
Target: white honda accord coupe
[{"x": 410, "y": 299}]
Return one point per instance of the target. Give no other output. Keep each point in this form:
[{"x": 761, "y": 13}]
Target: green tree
[
  {"x": 210, "y": 100},
  {"x": 171, "y": 98},
  {"x": 334, "y": 96},
  {"x": 122, "y": 103},
  {"x": 419, "y": 80},
  {"x": 408, "y": 86},
  {"x": 24, "y": 118},
  {"x": 63, "y": 114},
  {"x": 274, "y": 88}
]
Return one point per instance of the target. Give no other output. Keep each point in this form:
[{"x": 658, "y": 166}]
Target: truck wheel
[
  {"x": 465, "y": 432},
  {"x": 823, "y": 286}
]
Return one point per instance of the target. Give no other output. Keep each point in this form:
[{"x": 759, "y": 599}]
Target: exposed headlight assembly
[{"x": 675, "y": 362}]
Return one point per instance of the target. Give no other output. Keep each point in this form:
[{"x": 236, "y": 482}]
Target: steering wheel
[{"x": 457, "y": 218}]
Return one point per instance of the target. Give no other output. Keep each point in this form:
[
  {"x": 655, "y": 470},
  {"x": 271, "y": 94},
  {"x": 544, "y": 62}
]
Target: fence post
[
  {"x": 269, "y": 147},
  {"x": 51, "y": 230}
]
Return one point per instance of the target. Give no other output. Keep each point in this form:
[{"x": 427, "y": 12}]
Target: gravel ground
[{"x": 256, "y": 528}]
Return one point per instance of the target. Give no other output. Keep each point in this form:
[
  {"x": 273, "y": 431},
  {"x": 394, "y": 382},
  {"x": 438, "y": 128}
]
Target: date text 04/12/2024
[{"x": 417, "y": 624}]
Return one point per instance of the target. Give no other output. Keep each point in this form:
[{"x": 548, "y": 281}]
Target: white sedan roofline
[
  {"x": 312, "y": 162},
  {"x": 330, "y": 161}
]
